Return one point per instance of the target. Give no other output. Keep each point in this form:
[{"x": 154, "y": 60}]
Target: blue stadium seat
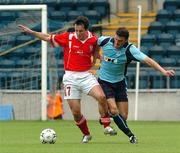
[
  {"x": 148, "y": 40},
  {"x": 157, "y": 52},
  {"x": 72, "y": 15},
  {"x": 66, "y": 5},
  {"x": 13, "y": 2},
  {"x": 157, "y": 81},
  {"x": 3, "y": 79},
  {"x": 177, "y": 15},
  {"x": 174, "y": 81},
  {"x": 22, "y": 39},
  {"x": 177, "y": 40},
  {"x": 6, "y": 112},
  {"x": 173, "y": 52},
  {"x": 59, "y": 16},
  {"x": 32, "y": 1},
  {"x": 55, "y": 25},
  {"x": 83, "y": 5},
  {"x": 156, "y": 28},
  {"x": 165, "y": 39},
  {"x": 15, "y": 80},
  {"x": 4, "y": 2},
  {"x": 170, "y": 5},
  {"x": 163, "y": 16},
  {"x": 7, "y": 16},
  {"x": 6, "y": 63},
  {"x": 168, "y": 62},
  {"x": 93, "y": 16},
  {"x": 144, "y": 80},
  {"x": 172, "y": 27},
  {"x": 131, "y": 78},
  {"x": 101, "y": 6},
  {"x": 23, "y": 63}
]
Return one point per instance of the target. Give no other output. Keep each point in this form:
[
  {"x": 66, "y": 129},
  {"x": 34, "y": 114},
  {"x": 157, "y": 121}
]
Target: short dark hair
[
  {"x": 123, "y": 32},
  {"x": 82, "y": 20}
]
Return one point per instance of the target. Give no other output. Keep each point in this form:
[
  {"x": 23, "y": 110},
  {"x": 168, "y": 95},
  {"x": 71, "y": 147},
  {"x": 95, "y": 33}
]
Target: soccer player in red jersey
[{"x": 79, "y": 48}]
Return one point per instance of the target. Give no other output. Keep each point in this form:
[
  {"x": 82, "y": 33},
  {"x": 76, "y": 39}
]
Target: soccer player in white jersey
[
  {"x": 79, "y": 47},
  {"x": 118, "y": 52}
]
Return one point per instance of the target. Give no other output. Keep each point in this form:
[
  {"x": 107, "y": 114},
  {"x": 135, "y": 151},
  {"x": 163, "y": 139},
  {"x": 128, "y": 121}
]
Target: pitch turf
[{"x": 23, "y": 137}]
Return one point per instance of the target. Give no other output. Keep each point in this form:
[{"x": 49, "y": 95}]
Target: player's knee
[
  {"x": 77, "y": 115},
  {"x": 114, "y": 111},
  {"x": 102, "y": 98},
  {"x": 124, "y": 115}
]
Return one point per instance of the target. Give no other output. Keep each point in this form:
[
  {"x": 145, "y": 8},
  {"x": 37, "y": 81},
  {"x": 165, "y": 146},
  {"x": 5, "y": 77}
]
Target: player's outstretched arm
[
  {"x": 156, "y": 66},
  {"x": 40, "y": 35}
]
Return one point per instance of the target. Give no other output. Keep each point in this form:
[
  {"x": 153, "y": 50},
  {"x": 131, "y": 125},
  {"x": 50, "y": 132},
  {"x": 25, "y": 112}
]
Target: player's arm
[
  {"x": 156, "y": 66},
  {"x": 96, "y": 54},
  {"x": 40, "y": 35}
]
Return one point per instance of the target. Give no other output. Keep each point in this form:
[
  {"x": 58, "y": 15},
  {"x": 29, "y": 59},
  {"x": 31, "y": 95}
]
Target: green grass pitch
[{"x": 23, "y": 137}]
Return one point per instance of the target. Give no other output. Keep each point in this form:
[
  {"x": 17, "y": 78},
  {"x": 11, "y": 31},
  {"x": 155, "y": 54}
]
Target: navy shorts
[{"x": 116, "y": 90}]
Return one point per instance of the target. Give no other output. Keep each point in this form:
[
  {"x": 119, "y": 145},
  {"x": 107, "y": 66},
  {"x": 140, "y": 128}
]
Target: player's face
[
  {"x": 80, "y": 32},
  {"x": 119, "y": 41}
]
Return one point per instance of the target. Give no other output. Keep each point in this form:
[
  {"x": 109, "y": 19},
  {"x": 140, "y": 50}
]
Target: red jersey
[{"x": 77, "y": 53}]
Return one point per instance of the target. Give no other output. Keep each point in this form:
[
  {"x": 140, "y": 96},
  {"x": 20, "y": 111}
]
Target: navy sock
[{"x": 121, "y": 123}]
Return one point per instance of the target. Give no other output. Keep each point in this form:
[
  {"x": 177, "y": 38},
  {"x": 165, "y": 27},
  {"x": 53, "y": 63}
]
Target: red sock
[
  {"x": 105, "y": 121},
  {"x": 82, "y": 124}
]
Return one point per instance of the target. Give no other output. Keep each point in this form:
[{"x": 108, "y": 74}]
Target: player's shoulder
[{"x": 102, "y": 40}]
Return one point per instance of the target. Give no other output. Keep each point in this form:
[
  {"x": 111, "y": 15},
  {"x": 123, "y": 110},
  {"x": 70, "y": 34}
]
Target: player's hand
[
  {"x": 25, "y": 29},
  {"x": 169, "y": 73}
]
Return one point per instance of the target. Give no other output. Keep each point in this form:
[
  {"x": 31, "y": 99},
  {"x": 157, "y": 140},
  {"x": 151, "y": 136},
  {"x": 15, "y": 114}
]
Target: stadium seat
[
  {"x": 173, "y": 51},
  {"x": 66, "y": 5},
  {"x": 148, "y": 40},
  {"x": 72, "y": 15},
  {"x": 3, "y": 79},
  {"x": 32, "y": 1},
  {"x": 143, "y": 80},
  {"x": 6, "y": 63},
  {"x": 157, "y": 52},
  {"x": 157, "y": 81},
  {"x": 15, "y": 80},
  {"x": 50, "y": 3},
  {"x": 93, "y": 16},
  {"x": 13, "y": 2},
  {"x": 55, "y": 25},
  {"x": 174, "y": 81},
  {"x": 4, "y": 2},
  {"x": 168, "y": 62},
  {"x": 156, "y": 28},
  {"x": 177, "y": 40},
  {"x": 172, "y": 27},
  {"x": 59, "y": 16},
  {"x": 23, "y": 63},
  {"x": 83, "y": 5},
  {"x": 165, "y": 39},
  {"x": 101, "y": 6},
  {"x": 163, "y": 16},
  {"x": 177, "y": 15},
  {"x": 22, "y": 39},
  {"x": 131, "y": 78},
  {"x": 6, "y": 112},
  {"x": 7, "y": 16},
  {"x": 170, "y": 5}
]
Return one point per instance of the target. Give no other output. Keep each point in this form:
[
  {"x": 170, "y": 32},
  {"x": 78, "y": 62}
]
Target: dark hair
[
  {"x": 123, "y": 32},
  {"x": 82, "y": 20}
]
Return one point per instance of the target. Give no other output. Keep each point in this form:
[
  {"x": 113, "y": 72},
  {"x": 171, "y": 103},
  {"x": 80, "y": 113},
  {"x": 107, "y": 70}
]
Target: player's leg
[
  {"x": 73, "y": 96},
  {"x": 90, "y": 86},
  {"x": 123, "y": 114},
  {"x": 98, "y": 94},
  {"x": 79, "y": 119},
  {"x": 121, "y": 99}
]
